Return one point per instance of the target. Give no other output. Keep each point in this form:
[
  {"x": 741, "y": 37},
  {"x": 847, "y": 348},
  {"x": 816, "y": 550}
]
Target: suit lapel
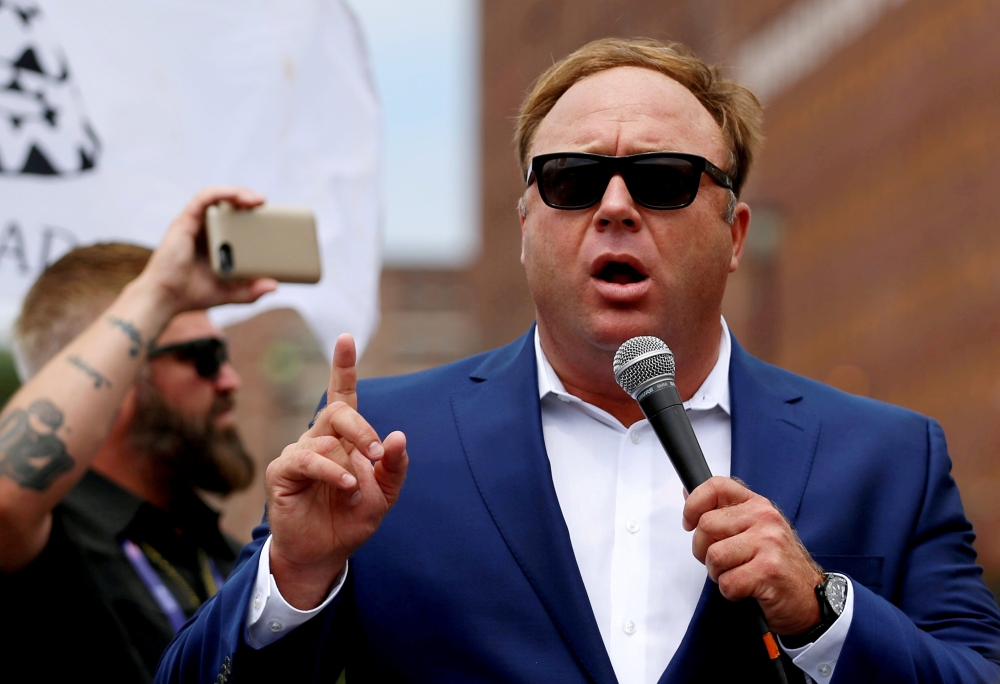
[
  {"x": 774, "y": 437},
  {"x": 773, "y": 444},
  {"x": 499, "y": 421}
]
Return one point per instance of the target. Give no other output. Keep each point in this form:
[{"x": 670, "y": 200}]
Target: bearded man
[{"x": 106, "y": 549}]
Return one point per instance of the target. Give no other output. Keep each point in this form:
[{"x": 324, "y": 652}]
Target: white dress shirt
[{"x": 622, "y": 502}]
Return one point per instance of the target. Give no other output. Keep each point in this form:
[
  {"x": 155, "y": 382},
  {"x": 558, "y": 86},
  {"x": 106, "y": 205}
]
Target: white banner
[{"x": 114, "y": 112}]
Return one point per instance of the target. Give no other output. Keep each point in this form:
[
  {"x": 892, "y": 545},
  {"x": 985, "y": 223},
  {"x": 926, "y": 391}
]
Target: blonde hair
[
  {"x": 732, "y": 105},
  {"x": 68, "y": 296}
]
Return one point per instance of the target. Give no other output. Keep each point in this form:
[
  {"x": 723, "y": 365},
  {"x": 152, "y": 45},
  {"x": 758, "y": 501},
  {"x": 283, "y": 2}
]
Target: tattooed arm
[{"x": 54, "y": 426}]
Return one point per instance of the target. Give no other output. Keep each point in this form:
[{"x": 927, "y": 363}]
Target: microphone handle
[
  {"x": 662, "y": 405},
  {"x": 665, "y": 412}
]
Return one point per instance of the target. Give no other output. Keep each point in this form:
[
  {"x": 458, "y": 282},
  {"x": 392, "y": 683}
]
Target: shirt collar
[
  {"x": 107, "y": 506},
  {"x": 713, "y": 392},
  {"x": 119, "y": 513}
]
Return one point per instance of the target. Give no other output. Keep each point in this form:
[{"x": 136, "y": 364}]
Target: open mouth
[{"x": 619, "y": 273}]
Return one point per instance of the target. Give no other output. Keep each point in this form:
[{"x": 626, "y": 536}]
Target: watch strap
[
  {"x": 807, "y": 637},
  {"x": 827, "y": 616}
]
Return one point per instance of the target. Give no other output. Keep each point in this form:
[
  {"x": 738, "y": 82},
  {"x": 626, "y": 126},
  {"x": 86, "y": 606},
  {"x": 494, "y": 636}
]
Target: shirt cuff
[
  {"x": 270, "y": 616},
  {"x": 819, "y": 659}
]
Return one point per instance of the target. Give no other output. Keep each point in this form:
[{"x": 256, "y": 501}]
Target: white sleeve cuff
[
  {"x": 819, "y": 659},
  {"x": 270, "y": 617}
]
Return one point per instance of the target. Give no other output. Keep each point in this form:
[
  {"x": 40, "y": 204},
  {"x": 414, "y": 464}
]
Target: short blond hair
[
  {"x": 732, "y": 105},
  {"x": 68, "y": 296}
]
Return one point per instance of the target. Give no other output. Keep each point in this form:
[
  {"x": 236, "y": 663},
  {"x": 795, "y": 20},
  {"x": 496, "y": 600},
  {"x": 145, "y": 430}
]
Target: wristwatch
[{"x": 832, "y": 596}]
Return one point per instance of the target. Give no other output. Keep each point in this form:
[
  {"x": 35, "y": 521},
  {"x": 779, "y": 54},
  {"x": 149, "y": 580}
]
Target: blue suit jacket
[{"x": 472, "y": 577}]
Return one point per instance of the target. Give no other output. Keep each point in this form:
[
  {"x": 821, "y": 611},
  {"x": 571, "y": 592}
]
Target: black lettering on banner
[
  {"x": 12, "y": 242},
  {"x": 130, "y": 330},
  {"x": 50, "y": 236},
  {"x": 30, "y": 452},
  {"x": 99, "y": 380}
]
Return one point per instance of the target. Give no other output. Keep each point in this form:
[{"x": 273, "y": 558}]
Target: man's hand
[
  {"x": 53, "y": 427},
  {"x": 181, "y": 277},
  {"x": 325, "y": 498},
  {"x": 750, "y": 549}
]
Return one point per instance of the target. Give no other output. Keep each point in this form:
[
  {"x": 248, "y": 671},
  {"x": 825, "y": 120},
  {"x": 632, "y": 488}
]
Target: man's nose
[
  {"x": 228, "y": 380},
  {"x": 617, "y": 208}
]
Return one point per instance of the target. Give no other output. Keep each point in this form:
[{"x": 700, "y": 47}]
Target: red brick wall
[{"x": 885, "y": 165}]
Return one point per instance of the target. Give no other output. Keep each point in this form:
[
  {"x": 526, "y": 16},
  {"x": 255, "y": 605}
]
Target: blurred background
[{"x": 873, "y": 261}]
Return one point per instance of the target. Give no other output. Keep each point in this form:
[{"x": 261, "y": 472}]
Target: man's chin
[
  {"x": 609, "y": 328},
  {"x": 224, "y": 421},
  {"x": 229, "y": 467}
]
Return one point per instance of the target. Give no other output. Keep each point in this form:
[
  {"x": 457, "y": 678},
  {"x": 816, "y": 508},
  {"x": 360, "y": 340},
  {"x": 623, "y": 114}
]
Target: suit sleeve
[
  {"x": 214, "y": 640},
  {"x": 944, "y": 625}
]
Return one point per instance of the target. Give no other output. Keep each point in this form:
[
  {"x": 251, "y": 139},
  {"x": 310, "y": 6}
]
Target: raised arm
[{"x": 53, "y": 427}]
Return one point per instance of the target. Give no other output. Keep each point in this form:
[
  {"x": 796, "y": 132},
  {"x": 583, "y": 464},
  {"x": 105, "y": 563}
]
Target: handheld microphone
[{"x": 644, "y": 368}]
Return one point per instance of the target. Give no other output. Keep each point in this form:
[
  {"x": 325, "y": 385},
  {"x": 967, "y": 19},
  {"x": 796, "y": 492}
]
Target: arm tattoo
[
  {"x": 99, "y": 380},
  {"x": 30, "y": 452},
  {"x": 131, "y": 331}
]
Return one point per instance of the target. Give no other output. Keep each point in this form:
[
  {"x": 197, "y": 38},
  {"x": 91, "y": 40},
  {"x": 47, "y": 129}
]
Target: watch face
[{"x": 836, "y": 593}]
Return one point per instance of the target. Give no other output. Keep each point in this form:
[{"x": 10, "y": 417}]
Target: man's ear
[
  {"x": 522, "y": 215},
  {"x": 739, "y": 229}
]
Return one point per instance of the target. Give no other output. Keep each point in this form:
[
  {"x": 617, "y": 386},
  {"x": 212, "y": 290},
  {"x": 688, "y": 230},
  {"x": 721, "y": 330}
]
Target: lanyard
[{"x": 164, "y": 599}]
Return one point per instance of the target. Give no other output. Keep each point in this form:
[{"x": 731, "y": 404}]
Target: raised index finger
[
  {"x": 344, "y": 373},
  {"x": 714, "y": 493}
]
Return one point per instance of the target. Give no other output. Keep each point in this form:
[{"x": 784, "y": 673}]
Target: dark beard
[{"x": 194, "y": 452}]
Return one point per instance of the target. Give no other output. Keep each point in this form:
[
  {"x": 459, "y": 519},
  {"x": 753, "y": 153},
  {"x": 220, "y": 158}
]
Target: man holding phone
[{"x": 105, "y": 549}]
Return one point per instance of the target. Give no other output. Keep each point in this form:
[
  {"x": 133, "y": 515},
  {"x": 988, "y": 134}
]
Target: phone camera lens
[{"x": 225, "y": 258}]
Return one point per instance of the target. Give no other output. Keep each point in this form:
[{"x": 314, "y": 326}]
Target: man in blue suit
[{"x": 541, "y": 534}]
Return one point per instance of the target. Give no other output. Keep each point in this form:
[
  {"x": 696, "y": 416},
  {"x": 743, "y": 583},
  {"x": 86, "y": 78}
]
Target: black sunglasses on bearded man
[{"x": 207, "y": 354}]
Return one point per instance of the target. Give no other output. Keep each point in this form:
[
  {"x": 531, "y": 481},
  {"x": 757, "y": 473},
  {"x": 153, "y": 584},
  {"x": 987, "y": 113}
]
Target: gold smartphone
[{"x": 271, "y": 241}]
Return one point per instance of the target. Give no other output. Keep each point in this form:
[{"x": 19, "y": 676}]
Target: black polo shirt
[{"x": 82, "y": 609}]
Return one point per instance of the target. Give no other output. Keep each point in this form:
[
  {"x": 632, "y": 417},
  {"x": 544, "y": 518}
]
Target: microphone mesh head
[{"x": 640, "y": 359}]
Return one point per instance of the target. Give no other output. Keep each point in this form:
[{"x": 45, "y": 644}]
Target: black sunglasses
[
  {"x": 656, "y": 180},
  {"x": 208, "y": 354}
]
